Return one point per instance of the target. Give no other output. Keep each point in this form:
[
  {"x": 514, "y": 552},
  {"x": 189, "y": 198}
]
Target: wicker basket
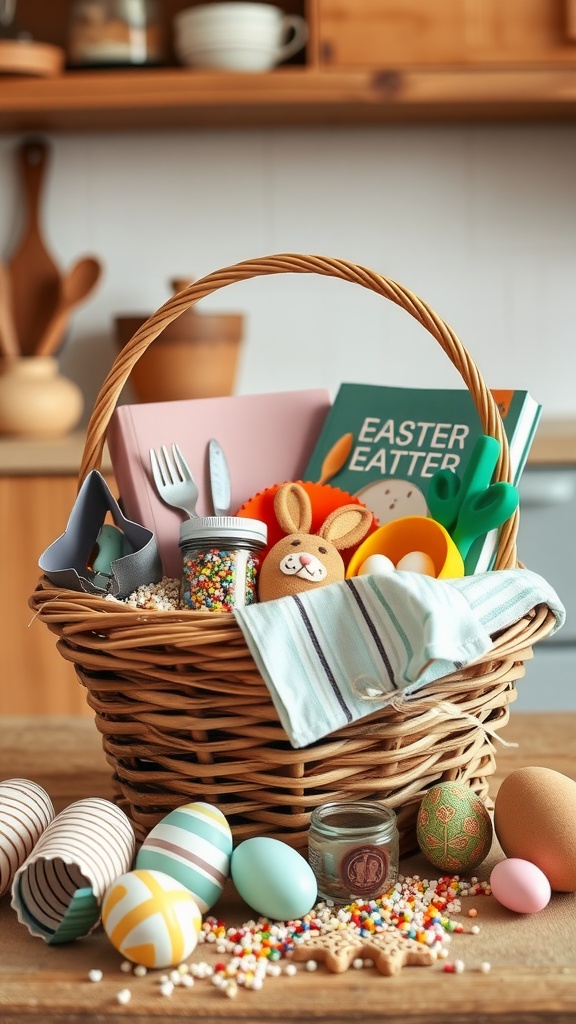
[{"x": 182, "y": 709}]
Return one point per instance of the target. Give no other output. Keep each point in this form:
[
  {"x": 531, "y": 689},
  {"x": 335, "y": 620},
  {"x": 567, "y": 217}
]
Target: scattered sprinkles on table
[{"x": 243, "y": 957}]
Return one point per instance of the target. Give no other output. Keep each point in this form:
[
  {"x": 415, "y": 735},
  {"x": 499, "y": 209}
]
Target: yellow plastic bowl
[{"x": 411, "y": 533}]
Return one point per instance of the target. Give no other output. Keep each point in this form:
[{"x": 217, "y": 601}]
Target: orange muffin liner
[{"x": 324, "y": 498}]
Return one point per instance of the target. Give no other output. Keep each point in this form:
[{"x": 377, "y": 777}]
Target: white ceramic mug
[{"x": 237, "y": 36}]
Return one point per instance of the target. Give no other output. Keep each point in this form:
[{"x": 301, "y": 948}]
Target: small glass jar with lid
[
  {"x": 220, "y": 561},
  {"x": 353, "y": 849},
  {"x": 121, "y": 33}
]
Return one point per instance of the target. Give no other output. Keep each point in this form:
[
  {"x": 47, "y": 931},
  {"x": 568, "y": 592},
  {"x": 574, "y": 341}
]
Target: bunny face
[{"x": 302, "y": 560}]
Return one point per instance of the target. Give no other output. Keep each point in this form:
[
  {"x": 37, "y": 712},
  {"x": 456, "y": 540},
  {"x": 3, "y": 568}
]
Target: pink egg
[{"x": 520, "y": 886}]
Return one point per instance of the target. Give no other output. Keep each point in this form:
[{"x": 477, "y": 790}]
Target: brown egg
[{"x": 535, "y": 819}]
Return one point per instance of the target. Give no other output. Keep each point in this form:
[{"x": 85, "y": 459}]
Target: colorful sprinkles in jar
[
  {"x": 215, "y": 579},
  {"x": 220, "y": 561}
]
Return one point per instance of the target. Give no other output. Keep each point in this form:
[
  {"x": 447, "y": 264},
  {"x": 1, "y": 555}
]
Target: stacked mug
[{"x": 237, "y": 36}]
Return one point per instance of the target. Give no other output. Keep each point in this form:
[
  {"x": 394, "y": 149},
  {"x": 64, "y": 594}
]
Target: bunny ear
[
  {"x": 293, "y": 508},
  {"x": 346, "y": 526}
]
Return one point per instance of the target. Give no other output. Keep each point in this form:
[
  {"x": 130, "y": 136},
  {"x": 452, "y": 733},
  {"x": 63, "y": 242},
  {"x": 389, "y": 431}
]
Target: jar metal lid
[{"x": 223, "y": 528}]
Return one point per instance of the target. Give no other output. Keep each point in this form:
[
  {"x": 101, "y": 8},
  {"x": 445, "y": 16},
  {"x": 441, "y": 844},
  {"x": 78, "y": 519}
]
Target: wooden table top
[{"x": 533, "y": 958}]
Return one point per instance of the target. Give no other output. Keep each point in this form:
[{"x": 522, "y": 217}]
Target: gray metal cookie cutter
[{"x": 97, "y": 557}]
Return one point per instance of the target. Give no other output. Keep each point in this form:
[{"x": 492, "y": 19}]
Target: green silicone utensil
[
  {"x": 447, "y": 491},
  {"x": 483, "y": 512}
]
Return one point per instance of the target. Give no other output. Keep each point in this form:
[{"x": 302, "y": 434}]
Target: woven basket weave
[{"x": 183, "y": 711}]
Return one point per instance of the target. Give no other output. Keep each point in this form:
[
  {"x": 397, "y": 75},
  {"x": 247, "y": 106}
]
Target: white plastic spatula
[{"x": 219, "y": 479}]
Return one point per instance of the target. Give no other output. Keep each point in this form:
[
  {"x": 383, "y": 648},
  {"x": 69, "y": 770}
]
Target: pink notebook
[{"x": 266, "y": 439}]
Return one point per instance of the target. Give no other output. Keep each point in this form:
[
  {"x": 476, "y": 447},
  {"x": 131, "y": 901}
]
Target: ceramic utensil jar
[
  {"x": 196, "y": 356},
  {"x": 36, "y": 400},
  {"x": 115, "y": 32}
]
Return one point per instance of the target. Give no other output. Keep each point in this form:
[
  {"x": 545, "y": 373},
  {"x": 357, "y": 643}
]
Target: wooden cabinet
[
  {"x": 366, "y": 62},
  {"x": 35, "y": 678},
  {"x": 38, "y": 483},
  {"x": 448, "y": 33}
]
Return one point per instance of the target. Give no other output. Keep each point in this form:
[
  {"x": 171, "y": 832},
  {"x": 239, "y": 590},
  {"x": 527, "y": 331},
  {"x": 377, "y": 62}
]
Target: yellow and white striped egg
[
  {"x": 151, "y": 919},
  {"x": 193, "y": 844}
]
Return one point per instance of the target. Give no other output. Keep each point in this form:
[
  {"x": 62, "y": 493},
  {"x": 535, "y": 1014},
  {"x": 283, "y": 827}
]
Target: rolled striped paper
[
  {"x": 25, "y": 812},
  {"x": 58, "y": 890}
]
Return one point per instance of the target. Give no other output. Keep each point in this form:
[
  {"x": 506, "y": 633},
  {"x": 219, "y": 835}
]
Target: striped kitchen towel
[{"x": 339, "y": 653}]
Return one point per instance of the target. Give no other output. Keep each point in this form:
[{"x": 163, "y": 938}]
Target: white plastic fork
[{"x": 173, "y": 479}]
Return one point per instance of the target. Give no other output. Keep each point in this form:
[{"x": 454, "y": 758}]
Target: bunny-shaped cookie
[{"x": 302, "y": 560}]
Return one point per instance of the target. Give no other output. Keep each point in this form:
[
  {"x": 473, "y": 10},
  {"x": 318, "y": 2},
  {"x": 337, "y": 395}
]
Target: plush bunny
[{"x": 302, "y": 560}]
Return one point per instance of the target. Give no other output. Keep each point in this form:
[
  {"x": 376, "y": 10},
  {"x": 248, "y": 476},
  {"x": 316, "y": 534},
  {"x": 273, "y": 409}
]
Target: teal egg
[
  {"x": 192, "y": 844},
  {"x": 273, "y": 879}
]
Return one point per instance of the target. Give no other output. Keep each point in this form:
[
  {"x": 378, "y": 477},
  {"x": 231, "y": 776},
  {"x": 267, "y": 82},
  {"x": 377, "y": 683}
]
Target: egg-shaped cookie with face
[
  {"x": 393, "y": 498},
  {"x": 302, "y": 560}
]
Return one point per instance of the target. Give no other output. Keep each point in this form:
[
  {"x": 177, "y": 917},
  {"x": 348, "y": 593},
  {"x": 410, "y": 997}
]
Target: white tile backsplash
[{"x": 480, "y": 221}]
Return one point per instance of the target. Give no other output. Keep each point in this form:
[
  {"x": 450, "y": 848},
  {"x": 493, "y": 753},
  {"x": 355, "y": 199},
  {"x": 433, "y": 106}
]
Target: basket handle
[{"x": 291, "y": 263}]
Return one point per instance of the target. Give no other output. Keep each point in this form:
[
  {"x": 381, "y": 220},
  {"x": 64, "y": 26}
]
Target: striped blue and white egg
[
  {"x": 192, "y": 844},
  {"x": 151, "y": 919}
]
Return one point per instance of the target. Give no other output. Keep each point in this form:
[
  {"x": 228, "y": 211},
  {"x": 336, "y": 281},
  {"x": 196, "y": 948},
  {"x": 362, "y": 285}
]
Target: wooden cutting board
[{"x": 34, "y": 275}]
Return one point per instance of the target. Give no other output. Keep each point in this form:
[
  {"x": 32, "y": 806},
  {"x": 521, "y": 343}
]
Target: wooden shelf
[
  {"x": 170, "y": 98},
  {"x": 366, "y": 62}
]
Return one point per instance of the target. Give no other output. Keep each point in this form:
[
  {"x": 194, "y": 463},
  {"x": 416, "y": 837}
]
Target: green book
[{"x": 383, "y": 445}]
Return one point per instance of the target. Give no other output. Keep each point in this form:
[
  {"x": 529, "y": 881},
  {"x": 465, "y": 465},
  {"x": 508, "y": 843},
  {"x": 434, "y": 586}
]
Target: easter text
[{"x": 411, "y": 448}]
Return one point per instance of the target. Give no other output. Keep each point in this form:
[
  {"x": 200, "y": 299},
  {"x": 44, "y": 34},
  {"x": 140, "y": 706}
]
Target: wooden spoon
[
  {"x": 8, "y": 337},
  {"x": 34, "y": 275},
  {"x": 76, "y": 285}
]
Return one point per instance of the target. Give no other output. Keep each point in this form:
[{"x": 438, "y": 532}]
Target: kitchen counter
[
  {"x": 533, "y": 958},
  {"x": 22, "y": 456},
  {"x": 554, "y": 444}
]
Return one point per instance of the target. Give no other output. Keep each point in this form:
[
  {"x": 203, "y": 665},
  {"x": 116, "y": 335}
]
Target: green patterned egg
[{"x": 454, "y": 829}]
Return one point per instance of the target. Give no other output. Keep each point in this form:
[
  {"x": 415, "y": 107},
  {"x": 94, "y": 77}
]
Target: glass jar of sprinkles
[
  {"x": 220, "y": 561},
  {"x": 353, "y": 849}
]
